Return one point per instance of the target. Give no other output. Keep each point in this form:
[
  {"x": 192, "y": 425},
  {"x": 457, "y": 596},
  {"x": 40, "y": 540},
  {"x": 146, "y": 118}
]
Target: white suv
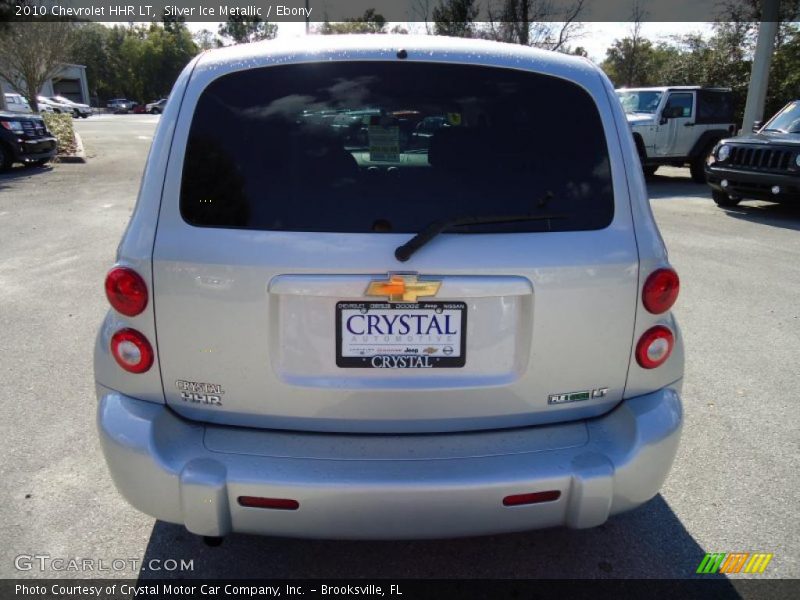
[
  {"x": 678, "y": 125},
  {"x": 356, "y": 332},
  {"x": 17, "y": 103}
]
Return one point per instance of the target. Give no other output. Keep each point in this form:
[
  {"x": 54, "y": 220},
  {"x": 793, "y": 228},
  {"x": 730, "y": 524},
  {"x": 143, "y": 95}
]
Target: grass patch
[{"x": 60, "y": 125}]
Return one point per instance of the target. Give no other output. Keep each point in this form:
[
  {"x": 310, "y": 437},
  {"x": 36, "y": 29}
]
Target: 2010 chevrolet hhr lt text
[{"x": 390, "y": 287}]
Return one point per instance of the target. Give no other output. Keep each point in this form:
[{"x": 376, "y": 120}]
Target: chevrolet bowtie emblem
[{"x": 403, "y": 288}]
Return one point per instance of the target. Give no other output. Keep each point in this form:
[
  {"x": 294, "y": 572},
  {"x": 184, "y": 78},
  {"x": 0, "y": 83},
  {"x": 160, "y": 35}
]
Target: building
[{"x": 70, "y": 81}]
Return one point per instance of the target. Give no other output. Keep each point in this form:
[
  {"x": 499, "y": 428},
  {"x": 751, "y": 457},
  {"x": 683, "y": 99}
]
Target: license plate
[{"x": 418, "y": 335}]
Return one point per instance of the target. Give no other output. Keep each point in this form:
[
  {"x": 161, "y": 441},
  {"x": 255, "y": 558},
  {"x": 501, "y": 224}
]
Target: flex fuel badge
[{"x": 577, "y": 396}]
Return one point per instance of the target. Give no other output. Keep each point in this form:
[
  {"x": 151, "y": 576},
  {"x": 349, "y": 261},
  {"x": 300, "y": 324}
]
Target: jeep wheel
[
  {"x": 698, "y": 164},
  {"x": 724, "y": 200}
]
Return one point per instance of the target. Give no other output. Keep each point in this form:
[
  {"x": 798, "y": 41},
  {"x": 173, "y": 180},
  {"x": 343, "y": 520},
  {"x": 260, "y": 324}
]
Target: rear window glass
[
  {"x": 392, "y": 147},
  {"x": 714, "y": 107}
]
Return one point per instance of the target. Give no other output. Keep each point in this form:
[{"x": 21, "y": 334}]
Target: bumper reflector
[
  {"x": 534, "y": 498},
  {"x": 274, "y": 503}
]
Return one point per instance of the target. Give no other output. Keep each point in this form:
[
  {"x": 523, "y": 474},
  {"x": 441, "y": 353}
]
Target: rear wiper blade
[{"x": 404, "y": 252}]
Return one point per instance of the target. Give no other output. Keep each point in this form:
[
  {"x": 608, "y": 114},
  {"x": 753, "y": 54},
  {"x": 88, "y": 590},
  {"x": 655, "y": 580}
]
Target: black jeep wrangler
[
  {"x": 24, "y": 139},
  {"x": 764, "y": 165}
]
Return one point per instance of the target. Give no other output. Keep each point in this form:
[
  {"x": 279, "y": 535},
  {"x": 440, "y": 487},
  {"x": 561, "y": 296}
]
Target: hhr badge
[{"x": 200, "y": 393}]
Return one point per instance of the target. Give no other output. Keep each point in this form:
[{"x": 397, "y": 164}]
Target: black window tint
[
  {"x": 682, "y": 100},
  {"x": 714, "y": 107},
  {"x": 385, "y": 146}
]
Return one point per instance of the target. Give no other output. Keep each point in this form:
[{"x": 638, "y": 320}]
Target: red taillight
[
  {"x": 274, "y": 503},
  {"x": 132, "y": 351},
  {"x": 660, "y": 291},
  {"x": 654, "y": 347},
  {"x": 126, "y": 291},
  {"x": 533, "y": 498}
]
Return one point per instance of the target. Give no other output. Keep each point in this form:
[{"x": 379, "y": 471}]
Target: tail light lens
[
  {"x": 660, "y": 291},
  {"x": 654, "y": 347},
  {"x": 126, "y": 291},
  {"x": 533, "y": 498},
  {"x": 274, "y": 503},
  {"x": 132, "y": 351}
]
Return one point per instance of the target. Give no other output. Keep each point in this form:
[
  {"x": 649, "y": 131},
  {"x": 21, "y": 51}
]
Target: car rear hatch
[{"x": 278, "y": 297}]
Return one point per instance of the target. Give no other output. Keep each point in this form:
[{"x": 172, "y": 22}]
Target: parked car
[
  {"x": 157, "y": 107},
  {"x": 678, "y": 125},
  {"x": 24, "y": 139},
  {"x": 139, "y": 109},
  {"x": 469, "y": 336},
  {"x": 54, "y": 105},
  {"x": 763, "y": 165},
  {"x": 45, "y": 108},
  {"x": 120, "y": 105},
  {"x": 17, "y": 103},
  {"x": 83, "y": 111}
]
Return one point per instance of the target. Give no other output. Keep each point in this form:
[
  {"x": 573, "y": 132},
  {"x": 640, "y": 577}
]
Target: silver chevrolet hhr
[{"x": 390, "y": 287}]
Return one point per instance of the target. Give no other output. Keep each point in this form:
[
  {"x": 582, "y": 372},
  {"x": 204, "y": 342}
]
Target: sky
[{"x": 596, "y": 36}]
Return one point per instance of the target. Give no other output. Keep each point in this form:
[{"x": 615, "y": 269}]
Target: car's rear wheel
[
  {"x": 5, "y": 159},
  {"x": 723, "y": 199}
]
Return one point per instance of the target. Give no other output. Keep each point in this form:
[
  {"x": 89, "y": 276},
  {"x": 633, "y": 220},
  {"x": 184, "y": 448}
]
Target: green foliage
[
  {"x": 60, "y": 125},
  {"x": 137, "y": 62},
  {"x": 240, "y": 30},
  {"x": 369, "y": 22},
  {"x": 455, "y": 18},
  {"x": 784, "y": 75}
]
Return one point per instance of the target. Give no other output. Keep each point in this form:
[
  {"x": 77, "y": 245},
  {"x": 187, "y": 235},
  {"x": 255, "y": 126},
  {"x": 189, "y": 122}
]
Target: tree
[
  {"x": 139, "y": 62},
  {"x": 31, "y": 53},
  {"x": 206, "y": 40},
  {"x": 421, "y": 12},
  {"x": 628, "y": 62},
  {"x": 784, "y": 73},
  {"x": 369, "y": 22},
  {"x": 455, "y": 18},
  {"x": 538, "y": 23},
  {"x": 243, "y": 31}
]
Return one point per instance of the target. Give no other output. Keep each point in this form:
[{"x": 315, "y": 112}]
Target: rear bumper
[
  {"x": 389, "y": 487},
  {"x": 36, "y": 149}
]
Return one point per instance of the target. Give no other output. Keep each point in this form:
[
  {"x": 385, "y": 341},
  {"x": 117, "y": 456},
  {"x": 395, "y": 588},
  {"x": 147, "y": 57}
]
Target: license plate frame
[{"x": 418, "y": 360}]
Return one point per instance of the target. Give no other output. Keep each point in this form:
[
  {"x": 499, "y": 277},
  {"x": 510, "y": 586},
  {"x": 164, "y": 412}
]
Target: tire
[
  {"x": 649, "y": 170},
  {"x": 724, "y": 200},
  {"x": 5, "y": 159},
  {"x": 698, "y": 164}
]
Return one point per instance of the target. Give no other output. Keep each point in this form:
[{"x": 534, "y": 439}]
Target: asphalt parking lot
[{"x": 734, "y": 487}]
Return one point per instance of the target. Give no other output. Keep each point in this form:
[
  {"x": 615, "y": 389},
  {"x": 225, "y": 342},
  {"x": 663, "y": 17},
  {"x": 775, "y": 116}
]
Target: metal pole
[
  {"x": 307, "y": 1},
  {"x": 759, "y": 75}
]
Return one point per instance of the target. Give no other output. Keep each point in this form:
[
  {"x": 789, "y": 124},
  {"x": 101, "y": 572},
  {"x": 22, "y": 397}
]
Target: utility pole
[{"x": 759, "y": 75}]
